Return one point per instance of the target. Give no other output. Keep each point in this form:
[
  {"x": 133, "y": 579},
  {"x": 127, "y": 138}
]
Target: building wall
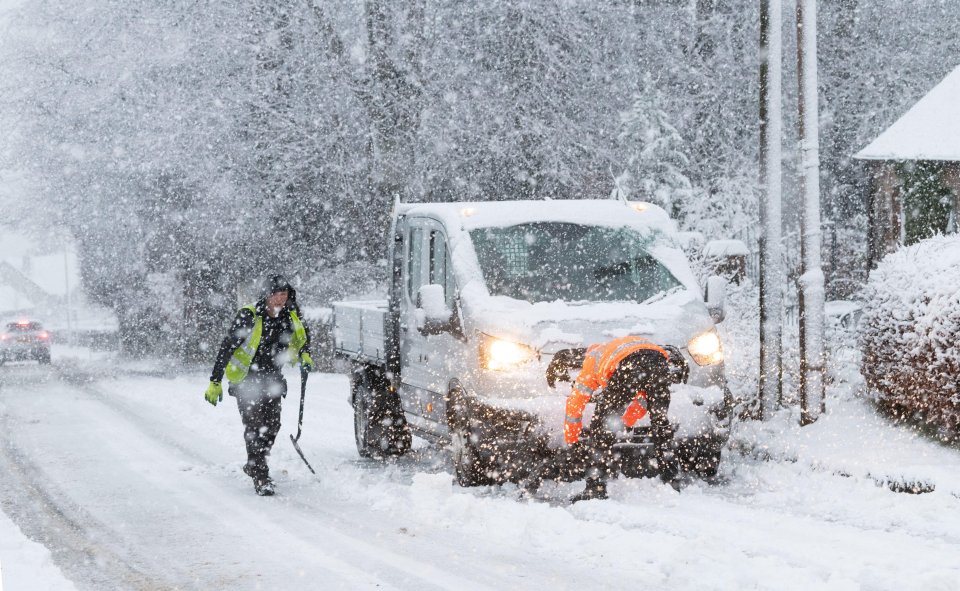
[
  {"x": 885, "y": 211},
  {"x": 951, "y": 178}
]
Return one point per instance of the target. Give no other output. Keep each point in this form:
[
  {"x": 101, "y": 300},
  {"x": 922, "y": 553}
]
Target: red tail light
[
  {"x": 4, "y": 337},
  {"x": 44, "y": 335}
]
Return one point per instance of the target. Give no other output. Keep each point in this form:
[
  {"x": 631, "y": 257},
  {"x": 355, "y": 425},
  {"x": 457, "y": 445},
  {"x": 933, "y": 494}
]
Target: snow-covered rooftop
[{"x": 930, "y": 130}]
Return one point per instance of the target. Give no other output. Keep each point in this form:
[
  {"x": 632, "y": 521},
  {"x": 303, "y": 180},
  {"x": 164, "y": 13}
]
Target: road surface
[{"x": 132, "y": 481}]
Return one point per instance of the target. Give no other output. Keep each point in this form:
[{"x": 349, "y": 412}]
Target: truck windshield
[{"x": 549, "y": 261}]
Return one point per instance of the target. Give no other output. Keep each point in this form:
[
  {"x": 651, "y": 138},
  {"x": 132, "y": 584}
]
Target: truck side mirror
[
  {"x": 716, "y": 298},
  {"x": 433, "y": 315}
]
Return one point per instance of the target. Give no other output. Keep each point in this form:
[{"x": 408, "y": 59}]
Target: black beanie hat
[{"x": 274, "y": 284}]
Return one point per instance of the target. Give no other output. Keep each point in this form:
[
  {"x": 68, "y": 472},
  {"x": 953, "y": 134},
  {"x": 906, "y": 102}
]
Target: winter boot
[
  {"x": 596, "y": 489},
  {"x": 261, "y": 480},
  {"x": 263, "y": 486}
]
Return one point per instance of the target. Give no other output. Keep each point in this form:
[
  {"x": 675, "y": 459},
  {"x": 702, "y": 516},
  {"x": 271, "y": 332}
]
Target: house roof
[{"x": 930, "y": 130}]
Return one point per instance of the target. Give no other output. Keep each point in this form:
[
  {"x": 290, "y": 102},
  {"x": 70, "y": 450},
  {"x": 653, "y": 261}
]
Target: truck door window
[
  {"x": 415, "y": 263},
  {"x": 440, "y": 272}
]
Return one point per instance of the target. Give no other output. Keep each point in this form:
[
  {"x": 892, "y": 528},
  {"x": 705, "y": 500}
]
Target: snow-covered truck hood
[{"x": 551, "y": 326}]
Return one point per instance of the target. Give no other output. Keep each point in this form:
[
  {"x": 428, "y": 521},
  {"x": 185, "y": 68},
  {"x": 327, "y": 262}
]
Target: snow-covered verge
[
  {"x": 909, "y": 333},
  {"x": 740, "y": 335},
  {"x": 851, "y": 439},
  {"x": 25, "y": 564}
]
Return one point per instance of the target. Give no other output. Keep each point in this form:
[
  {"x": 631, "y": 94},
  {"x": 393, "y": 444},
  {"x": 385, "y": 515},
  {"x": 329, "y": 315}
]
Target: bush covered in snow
[{"x": 910, "y": 333}]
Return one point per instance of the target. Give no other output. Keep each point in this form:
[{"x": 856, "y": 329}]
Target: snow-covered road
[{"x": 132, "y": 481}]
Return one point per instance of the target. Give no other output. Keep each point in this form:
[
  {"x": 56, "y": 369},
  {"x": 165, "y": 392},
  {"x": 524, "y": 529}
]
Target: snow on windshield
[{"x": 540, "y": 262}]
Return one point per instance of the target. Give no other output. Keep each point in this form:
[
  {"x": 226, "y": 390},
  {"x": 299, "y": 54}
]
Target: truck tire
[
  {"x": 379, "y": 427},
  {"x": 707, "y": 462},
  {"x": 469, "y": 465}
]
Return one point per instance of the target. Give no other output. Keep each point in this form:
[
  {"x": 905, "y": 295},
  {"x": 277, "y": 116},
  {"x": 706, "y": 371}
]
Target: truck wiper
[{"x": 662, "y": 294}]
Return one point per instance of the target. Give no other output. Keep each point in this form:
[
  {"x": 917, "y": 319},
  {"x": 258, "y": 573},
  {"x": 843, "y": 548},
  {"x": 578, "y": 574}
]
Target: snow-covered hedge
[{"x": 910, "y": 333}]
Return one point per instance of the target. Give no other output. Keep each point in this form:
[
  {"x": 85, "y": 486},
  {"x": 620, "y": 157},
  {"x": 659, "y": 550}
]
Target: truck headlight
[
  {"x": 500, "y": 354},
  {"x": 705, "y": 348}
]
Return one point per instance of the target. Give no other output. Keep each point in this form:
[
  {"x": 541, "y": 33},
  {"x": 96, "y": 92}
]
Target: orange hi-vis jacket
[{"x": 598, "y": 366}]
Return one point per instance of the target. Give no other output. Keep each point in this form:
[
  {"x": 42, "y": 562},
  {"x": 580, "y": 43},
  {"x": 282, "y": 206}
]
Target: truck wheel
[
  {"x": 378, "y": 426},
  {"x": 469, "y": 465},
  {"x": 707, "y": 463}
]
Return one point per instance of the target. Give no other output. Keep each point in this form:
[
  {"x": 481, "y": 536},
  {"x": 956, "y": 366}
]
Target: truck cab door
[
  {"x": 443, "y": 350},
  {"x": 427, "y": 360},
  {"x": 413, "y": 371}
]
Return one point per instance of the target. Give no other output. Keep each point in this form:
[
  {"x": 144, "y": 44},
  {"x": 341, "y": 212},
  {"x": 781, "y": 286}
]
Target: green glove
[
  {"x": 306, "y": 362},
  {"x": 214, "y": 393}
]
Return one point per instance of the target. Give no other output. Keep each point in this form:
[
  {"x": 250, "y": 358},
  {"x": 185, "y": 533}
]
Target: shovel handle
[{"x": 303, "y": 395}]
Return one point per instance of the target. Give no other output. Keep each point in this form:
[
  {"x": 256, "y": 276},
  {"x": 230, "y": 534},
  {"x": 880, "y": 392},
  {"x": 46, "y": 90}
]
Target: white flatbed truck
[{"x": 483, "y": 295}]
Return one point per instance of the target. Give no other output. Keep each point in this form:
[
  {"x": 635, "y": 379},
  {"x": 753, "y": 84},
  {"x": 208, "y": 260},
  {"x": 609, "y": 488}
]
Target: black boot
[
  {"x": 261, "y": 479},
  {"x": 595, "y": 489},
  {"x": 263, "y": 486},
  {"x": 670, "y": 470}
]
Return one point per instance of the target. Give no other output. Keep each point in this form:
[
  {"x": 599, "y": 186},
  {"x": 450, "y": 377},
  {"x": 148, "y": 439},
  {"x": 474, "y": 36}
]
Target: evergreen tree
[
  {"x": 656, "y": 158},
  {"x": 927, "y": 202}
]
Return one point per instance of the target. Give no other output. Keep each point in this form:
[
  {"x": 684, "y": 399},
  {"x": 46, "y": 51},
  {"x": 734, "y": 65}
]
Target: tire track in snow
[{"x": 101, "y": 556}]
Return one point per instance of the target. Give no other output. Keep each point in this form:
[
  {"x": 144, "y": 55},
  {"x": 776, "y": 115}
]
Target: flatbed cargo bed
[{"x": 359, "y": 330}]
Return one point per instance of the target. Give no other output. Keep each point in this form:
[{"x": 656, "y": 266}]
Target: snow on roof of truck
[
  {"x": 648, "y": 220},
  {"x": 594, "y": 212}
]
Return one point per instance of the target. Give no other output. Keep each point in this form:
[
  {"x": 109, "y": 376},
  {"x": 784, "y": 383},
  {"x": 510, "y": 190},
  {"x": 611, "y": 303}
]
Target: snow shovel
[{"x": 294, "y": 440}]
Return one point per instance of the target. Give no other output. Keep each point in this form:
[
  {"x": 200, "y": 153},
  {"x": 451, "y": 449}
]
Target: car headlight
[
  {"x": 500, "y": 354},
  {"x": 705, "y": 348}
]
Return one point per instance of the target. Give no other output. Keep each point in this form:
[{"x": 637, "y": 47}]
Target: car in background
[
  {"x": 843, "y": 314},
  {"x": 24, "y": 339}
]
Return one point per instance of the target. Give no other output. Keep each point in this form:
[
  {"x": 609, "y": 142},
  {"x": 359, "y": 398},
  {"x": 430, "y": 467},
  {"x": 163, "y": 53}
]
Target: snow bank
[
  {"x": 25, "y": 564},
  {"x": 909, "y": 333}
]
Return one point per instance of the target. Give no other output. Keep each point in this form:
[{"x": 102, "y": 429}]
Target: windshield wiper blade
[{"x": 662, "y": 294}]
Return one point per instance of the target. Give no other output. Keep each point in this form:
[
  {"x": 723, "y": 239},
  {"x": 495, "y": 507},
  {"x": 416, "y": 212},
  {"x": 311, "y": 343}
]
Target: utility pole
[
  {"x": 812, "y": 314},
  {"x": 771, "y": 265}
]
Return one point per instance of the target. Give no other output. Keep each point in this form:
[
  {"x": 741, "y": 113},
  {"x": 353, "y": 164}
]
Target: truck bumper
[{"x": 525, "y": 435}]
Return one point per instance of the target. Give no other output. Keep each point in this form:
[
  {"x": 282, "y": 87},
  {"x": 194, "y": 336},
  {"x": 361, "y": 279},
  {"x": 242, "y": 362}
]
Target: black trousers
[
  {"x": 647, "y": 371},
  {"x": 259, "y": 398}
]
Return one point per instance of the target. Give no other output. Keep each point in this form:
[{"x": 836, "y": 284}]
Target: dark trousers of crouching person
[
  {"x": 645, "y": 371},
  {"x": 259, "y": 400}
]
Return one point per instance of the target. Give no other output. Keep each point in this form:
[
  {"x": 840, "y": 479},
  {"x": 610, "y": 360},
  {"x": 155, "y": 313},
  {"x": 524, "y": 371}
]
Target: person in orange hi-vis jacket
[{"x": 626, "y": 378}]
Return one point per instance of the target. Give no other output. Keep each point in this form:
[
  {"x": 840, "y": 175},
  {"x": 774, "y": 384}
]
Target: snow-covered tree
[
  {"x": 656, "y": 161},
  {"x": 202, "y": 142}
]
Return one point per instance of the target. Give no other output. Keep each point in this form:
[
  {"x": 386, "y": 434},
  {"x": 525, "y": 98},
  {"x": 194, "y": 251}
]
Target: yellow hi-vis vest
[{"x": 242, "y": 358}]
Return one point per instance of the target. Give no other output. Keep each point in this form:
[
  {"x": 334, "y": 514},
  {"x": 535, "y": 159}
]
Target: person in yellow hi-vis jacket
[
  {"x": 263, "y": 337},
  {"x": 626, "y": 378}
]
